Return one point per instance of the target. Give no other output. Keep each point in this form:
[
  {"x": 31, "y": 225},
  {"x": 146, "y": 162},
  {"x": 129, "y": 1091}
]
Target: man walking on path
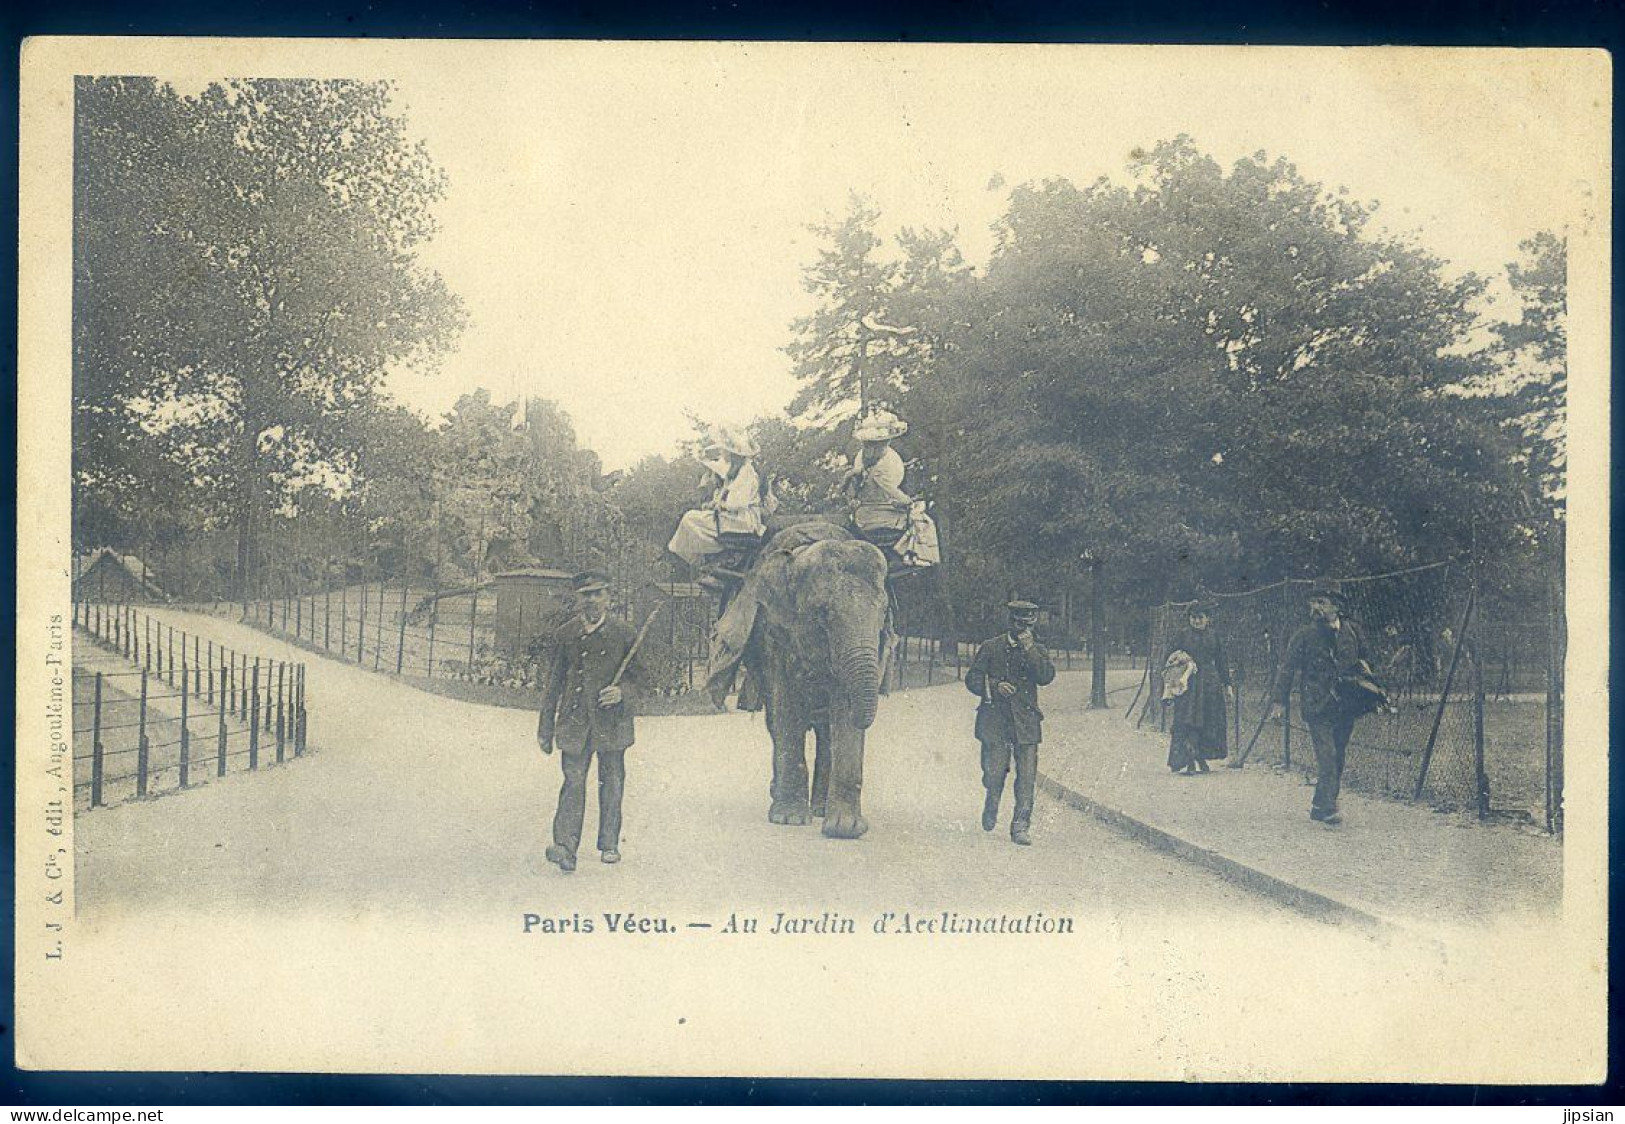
[
  {"x": 588, "y": 699},
  {"x": 1330, "y": 659},
  {"x": 1006, "y": 674}
]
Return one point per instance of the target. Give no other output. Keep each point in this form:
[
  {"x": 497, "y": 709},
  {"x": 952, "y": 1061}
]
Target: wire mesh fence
[
  {"x": 1474, "y": 721},
  {"x": 493, "y": 633},
  {"x": 159, "y": 709}
]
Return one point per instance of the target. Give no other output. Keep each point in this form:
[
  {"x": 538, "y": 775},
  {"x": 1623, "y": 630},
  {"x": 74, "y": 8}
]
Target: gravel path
[{"x": 416, "y": 802}]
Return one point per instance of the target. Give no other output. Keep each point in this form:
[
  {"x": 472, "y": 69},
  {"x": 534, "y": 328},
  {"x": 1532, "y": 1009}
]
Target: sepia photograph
[{"x": 813, "y": 560}]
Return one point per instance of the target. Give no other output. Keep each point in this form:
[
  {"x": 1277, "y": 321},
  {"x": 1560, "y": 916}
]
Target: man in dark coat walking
[
  {"x": 1328, "y": 657},
  {"x": 1006, "y": 675},
  {"x": 589, "y": 696}
]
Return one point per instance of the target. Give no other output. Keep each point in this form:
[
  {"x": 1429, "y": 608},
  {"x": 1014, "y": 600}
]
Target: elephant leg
[
  {"x": 789, "y": 790},
  {"x": 843, "y": 817},
  {"x": 820, "y": 777}
]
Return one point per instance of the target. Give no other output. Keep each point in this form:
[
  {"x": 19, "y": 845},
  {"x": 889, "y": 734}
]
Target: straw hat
[
  {"x": 735, "y": 441},
  {"x": 880, "y": 425}
]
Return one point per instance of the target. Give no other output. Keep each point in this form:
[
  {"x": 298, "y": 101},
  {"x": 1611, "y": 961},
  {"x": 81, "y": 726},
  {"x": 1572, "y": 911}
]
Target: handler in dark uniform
[
  {"x": 1329, "y": 658},
  {"x": 1006, "y": 674},
  {"x": 588, "y": 713}
]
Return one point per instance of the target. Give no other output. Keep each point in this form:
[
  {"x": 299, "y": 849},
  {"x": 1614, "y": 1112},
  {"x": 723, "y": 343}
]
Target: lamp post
[{"x": 1097, "y": 631}]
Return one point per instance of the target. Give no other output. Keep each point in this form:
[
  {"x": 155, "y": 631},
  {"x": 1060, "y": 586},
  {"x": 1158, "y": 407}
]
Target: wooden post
[
  {"x": 1097, "y": 635},
  {"x": 434, "y": 620},
  {"x": 1240, "y": 697},
  {"x": 239, "y": 681},
  {"x": 220, "y": 730},
  {"x": 327, "y": 617},
  {"x": 1557, "y": 641},
  {"x": 344, "y": 620},
  {"x": 186, "y": 733},
  {"x": 299, "y": 717},
  {"x": 281, "y": 711},
  {"x": 1482, "y": 777},
  {"x": 473, "y": 615},
  {"x": 299, "y": 617},
  {"x": 361, "y": 628},
  {"x": 142, "y": 745},
  {"x": 96, "y": 748},
  {"x": 400, "y": 642},
  {"x": 254, "y": 726},
  {"x": 1286, "y": 733},
  {"x": 1444, "y": 694},
  {"x": 378, "y": 648}
]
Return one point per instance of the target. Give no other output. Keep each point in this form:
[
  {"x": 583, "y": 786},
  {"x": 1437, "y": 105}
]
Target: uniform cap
[
  {"x": 1329, "y": 588},
  {"x": 1021, "y": 606},
  {"x": 588, "y": 580}
]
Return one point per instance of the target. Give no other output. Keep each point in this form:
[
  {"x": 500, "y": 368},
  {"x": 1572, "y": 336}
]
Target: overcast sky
[{"x": 627, "y": 227}]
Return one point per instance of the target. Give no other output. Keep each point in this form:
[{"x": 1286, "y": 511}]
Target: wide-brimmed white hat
[
  {"x": 735, "y": 441},
  {"x": 880, "y": 425}
]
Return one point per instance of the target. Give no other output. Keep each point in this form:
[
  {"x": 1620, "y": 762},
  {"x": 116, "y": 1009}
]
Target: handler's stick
[
  {"x": 633, "y": 650},
  {"x": 1242, "y": 760}
]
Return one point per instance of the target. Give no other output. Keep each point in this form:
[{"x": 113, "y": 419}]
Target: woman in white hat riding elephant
[
  {"x": 881, "y": 511},
  {"x": 738, "y": 506}
]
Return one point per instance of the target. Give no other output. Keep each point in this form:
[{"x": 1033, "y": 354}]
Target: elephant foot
[
  {"x": 844, "y": 823},
  {"x": 793, "y": 812}
]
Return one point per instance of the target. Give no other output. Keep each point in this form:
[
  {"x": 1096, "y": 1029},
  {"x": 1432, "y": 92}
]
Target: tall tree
[
  {"x": 1531, "y": 358},
  {"x": 840, "y": 353},
  {"x": 1208, "y": 376},
  {"x": 246, "y": 273}
]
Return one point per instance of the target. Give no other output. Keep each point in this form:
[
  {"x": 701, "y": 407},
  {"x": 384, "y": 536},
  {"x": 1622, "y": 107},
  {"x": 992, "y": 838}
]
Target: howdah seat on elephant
[{"x": 809, "y": 625}]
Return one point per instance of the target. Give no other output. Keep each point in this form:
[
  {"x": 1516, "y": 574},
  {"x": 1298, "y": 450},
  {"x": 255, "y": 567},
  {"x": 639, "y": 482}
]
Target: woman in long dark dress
[{"x": 1199, "y": 726}]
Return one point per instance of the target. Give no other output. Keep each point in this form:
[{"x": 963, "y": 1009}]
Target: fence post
[
  {"x": 299, "y": 617},
  {"x": 327, "y": 616},
  {"x": 434, "y": 620},
  {"x": 211, "y": 672},
  {"x": 1556, "y": 655},
  {"x": 1238, "y": 693},
  {"x": 171, "y": 636},
  {"x": 281, "y": 711},
  {"x": 473, "y": 615},
  {"x": 1286, "y": 733},
  {"x": 1444, "y": 694},
  {"x": 1483, "y": 780},
  {"x": 186, "y": 734},
  {"x": 299, "y": 716},
  {"x": 270, "y": 709},
  {"x": 96, "y": 748},
  {"x": 142, "y": 746},
  {"x": 197, "y": 666},
  {"x": 220, "y": 732},
  {"x": 400, "y": 644},
  {"x": 239, "y": 685},
  {"x": 1150, "y": 682},
  {"x": 361, "y": 628},
  {"x": 254, "y": 726},
  {"x": 378, "y": 649}
]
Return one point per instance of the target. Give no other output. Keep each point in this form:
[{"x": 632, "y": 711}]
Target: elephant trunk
[{"x": 857, "y": 670}]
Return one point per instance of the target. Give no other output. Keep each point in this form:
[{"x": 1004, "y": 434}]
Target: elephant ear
[{"x": 773, "y": 586}]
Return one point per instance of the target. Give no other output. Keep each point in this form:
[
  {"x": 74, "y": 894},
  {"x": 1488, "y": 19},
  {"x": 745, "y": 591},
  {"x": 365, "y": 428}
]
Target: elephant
[{"x": 819, "y": 601}]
